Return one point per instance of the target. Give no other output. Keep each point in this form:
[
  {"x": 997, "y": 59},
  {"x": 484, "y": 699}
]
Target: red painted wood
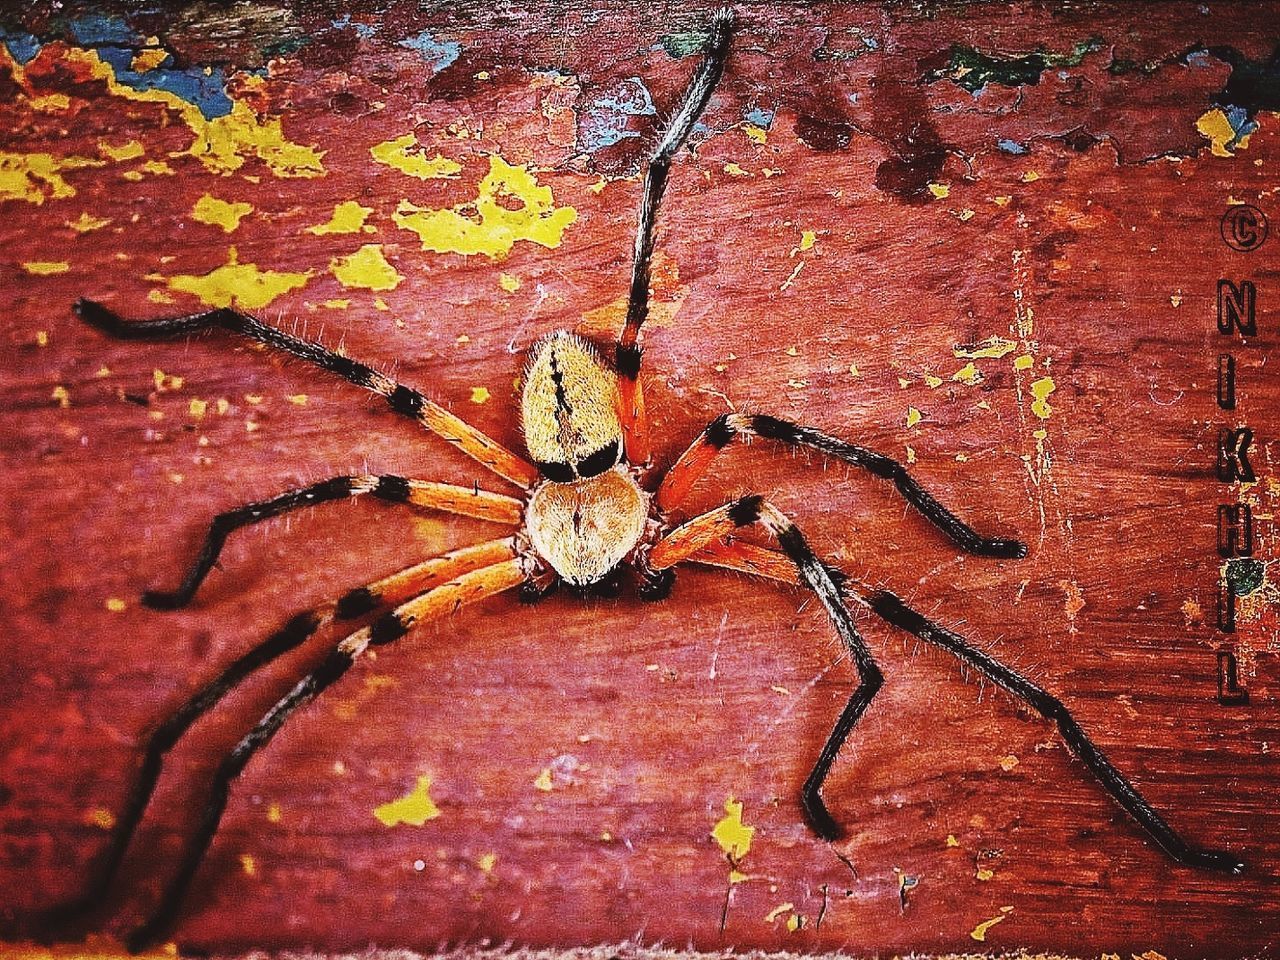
[{"x": 1106, "y": 251}]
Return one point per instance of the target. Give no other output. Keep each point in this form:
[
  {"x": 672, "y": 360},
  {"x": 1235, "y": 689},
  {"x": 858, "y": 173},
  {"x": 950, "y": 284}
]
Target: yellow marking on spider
[
  {"x": 220, "y": 213},
  {"x": 404, "y": 154},
  {"x": 348, "y": 217},
  {"x": 366, "y": 269},
  {"x": 415, "y": 808},
  {"x": 510, "y": 205},
  {"x": 241, "y": 285}
]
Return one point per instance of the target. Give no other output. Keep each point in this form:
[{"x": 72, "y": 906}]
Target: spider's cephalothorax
[
  {"x": 591, "y": 513},
  {"x": 582, "y": 513}
]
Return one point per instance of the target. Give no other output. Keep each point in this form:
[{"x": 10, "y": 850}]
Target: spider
[{"x": 586, "y": 513}]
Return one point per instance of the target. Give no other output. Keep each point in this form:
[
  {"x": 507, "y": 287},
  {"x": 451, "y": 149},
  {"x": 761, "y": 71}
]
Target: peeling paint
[
  {"x": 733, "y": 836},
  {"x": 366, "y": 269},
  {"x": 220, "y": 213},
  {"x": 241, "y": 285},
  {"x": 488, "y": 224},
  {"x": 348, "y": 217},
  {"x": 414, "y": 808},
  {"x": 407, "y": 156}
]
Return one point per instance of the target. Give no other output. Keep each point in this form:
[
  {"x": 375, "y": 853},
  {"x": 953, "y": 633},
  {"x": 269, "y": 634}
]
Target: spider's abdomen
[
  {"x": 586, "y": 528},
  {"x": 569, "y": 409}
]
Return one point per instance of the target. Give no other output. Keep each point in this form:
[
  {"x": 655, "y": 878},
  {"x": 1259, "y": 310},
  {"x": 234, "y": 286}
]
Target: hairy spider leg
[
  {"x": 446, "y": 497},
  {"x": 393, "y": 589},
  {"x": 657, "y": 168},
  {"x": 693, "y": 463},
  {"x": 439, "y": 601},
  {"x": 404, "y": 400},
  {"x": 763, "y": 562},
  {"x": 689, "y": 538}
]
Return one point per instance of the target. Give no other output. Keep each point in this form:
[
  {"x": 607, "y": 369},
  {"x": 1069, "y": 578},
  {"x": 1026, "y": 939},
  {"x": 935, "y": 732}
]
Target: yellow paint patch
[
  {"x": 979, "y": 932},
  {"x": 297, "y": 399},
  {"x": 734, "y": 170},
  {"x": 61, "y": 395},
  {"x": 479, "y": 395},
  {"x": 755, "y": 134},
  {"x": 1008, "y": 763},
  {"x": 248, "y": 864},
  {"x": 543, "y": 780},
  {"x": 733, "y": 836},
  {"x": 115, "y": 605},
  {"x": 220, "y": 213},
  {"x": 37, "y": 177},
  {"x": 166, "y": 382},
  {"x": 992, "y": 348},
  {"x": 100, "y": 817},
  {"x": 1040, "y": 390},
  {"x": 340, "y": 303},
  {"x": 42, "y": 338},
  {"x": 984, "y": 874},
  {"x": 223, "y": 143},
  {"x": 145, "y": 60},
  {"x": 236, "y": 284},
  {"x": 158, "y": 296},
  {"x": 415, "y": 808},
  {"x": 1024, "y": 362},
  {"x": 508, "y": 282},
  {"x": 130, "y": 150},
  {"x": 932, "y": 382},
  {"x": 486, "y": 862},
  {"x": 807, "y": 239},
  {"x": 46, "y": 268},
  {"x": 274, "y": 813},
  {"x": 940, "y": 190},
  {"x": 1215, "y": 127},
  {"x": 366, "y": 269},
  {"x": 968, "y": 374},
  {"x": 1030, "y": 177},
  {"x": 913, "y": 416},
  {"x": 404, "y": 154},
  {"x": 509, "y": 206},
  {"x": 348, "y": 217},
  {"x": 952, "y": 841},
  {"x": 778, "y": 911},
  {"x": 197, "y": 408},
  {"x": 86, "y": 223}
]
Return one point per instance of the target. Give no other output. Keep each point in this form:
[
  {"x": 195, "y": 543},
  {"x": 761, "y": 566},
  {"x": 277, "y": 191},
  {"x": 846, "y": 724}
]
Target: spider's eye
[
  {"x": 556, "y": 472},
  {"x": 601, "y": 460}
]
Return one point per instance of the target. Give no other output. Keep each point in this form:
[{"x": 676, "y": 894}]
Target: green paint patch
[
  {"x": 972, "y": 69},
  {"x": 1245, "y": 575},
  {"x": 684, "y": 44}
]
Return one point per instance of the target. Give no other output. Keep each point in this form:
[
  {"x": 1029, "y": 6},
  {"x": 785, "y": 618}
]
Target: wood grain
[{"x": 867, "y": 218}]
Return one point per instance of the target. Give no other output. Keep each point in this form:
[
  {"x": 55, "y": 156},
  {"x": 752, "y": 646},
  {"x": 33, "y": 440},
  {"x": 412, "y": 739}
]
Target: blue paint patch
[
  {"x": 608, "y": 120},
  {"x": 363, "y": 30},
  {"x": 99, "y": 30},
  {"x": 760, "y": 117},
  {"x": 1199, "y": 58},
  {"x": 207, "y": 92},
  {"x": 440, "y": 54},
  {"x": 1012, "y": 146},
  {"x": 1240, "y": 122},
  {"x": 23, "y": 47}
]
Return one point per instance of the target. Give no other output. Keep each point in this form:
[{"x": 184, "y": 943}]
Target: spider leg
[
  {"x": 439, "y": 601},
  {"x": 763, "y": 562},
  {"x": 685, "y": 542},
  {"x": 468, "y": 501},
  {"x": 657, "y": 169},
  {"x": 394, "y": 589},
  {"x": 401, "y": 399},
  {"x": 693, "y": 463}
]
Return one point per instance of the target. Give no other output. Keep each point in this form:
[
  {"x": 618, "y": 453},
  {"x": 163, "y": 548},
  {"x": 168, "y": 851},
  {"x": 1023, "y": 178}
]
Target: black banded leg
[
  {"x": 691, "y": 537},
  {"x": 470, "y": 501},
  {"x": 725, "y": 428},
  {"x": 893, "y": 610},
  {"x": 442, "y": 600},
  {"x": 657, "y": 169},
  {"x": 333, "y": 667},
  {"x": 159, "y": 743},
  {"x": 403, "y": 400}
]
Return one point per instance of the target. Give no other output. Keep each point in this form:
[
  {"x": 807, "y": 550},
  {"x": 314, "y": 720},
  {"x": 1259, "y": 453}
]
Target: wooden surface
[{"x": 850, "y": 207}]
